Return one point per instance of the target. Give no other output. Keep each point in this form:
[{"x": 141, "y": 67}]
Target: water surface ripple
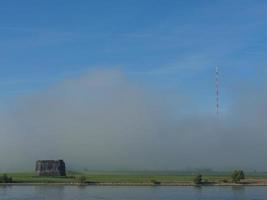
[{"x": 131, "y": 193}]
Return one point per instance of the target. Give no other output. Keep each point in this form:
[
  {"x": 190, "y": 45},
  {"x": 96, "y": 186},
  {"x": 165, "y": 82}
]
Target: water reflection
[
  {"x": 43, "y": 191},
  {"x": 239, "y": 192}
]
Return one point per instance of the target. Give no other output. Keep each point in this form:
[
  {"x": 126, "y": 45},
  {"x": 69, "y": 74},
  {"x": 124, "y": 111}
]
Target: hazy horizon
[{"x": 104, "y": 120}]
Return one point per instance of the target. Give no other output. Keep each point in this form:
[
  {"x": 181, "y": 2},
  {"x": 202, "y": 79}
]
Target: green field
[{"x": 136, "y": 177}]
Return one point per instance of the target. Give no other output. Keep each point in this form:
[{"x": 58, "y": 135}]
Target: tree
[
  {"x": 155, "y": 182},
  {"x": 238, "y": 175},
  {"x": 5, "y": 179},
  {"x": 81, "y": 179},
  {"x": 198, "y": 179}
]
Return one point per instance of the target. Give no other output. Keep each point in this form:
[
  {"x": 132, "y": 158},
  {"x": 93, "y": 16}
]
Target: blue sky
[{"x": 165, "y": 43}]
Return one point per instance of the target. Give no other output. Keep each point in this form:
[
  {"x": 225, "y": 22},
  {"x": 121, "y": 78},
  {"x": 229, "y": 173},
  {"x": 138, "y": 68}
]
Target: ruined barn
[{"x": 50, "y": 168}]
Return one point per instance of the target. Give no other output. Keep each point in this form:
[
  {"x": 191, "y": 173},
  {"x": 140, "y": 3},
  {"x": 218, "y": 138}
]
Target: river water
[{"x": 131, "y": 193}]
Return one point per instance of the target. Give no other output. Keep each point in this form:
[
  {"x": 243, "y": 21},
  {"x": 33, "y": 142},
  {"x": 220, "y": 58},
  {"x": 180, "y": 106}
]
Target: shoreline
[
  {"x": 138, "y": 179},
  {"x": 182, "y": 184}
]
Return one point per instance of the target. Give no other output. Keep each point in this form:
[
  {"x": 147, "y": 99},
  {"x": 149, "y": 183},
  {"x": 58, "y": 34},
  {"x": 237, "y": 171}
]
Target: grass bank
[{"x": 138, "y": 178}]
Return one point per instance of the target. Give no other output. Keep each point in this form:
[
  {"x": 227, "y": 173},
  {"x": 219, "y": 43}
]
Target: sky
[{"x": 150, "y": 64}]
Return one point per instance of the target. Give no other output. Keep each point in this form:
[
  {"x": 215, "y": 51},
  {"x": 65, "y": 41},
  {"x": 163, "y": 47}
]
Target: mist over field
[{"x": 103, "y": 120}]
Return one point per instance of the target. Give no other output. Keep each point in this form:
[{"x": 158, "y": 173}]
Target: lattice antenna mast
[{"x": 217, "y": 91}]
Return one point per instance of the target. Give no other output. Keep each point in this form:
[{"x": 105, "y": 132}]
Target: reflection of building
[{"x": 50, "y": 168}]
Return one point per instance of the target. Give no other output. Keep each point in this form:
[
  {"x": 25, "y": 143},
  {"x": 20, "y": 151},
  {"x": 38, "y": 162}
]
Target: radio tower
[{"x": 217, "y": 91}]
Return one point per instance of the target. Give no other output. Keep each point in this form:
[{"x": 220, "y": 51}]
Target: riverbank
[
  {"x": 137, "y": 179},
  {"x": 189, "y": 184}
]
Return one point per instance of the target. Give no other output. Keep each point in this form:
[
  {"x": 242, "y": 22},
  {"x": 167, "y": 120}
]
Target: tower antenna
[{"x": 217, "y": 91}]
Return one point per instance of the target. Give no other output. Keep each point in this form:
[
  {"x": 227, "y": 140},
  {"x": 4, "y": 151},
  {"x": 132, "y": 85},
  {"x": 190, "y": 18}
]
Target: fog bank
[{"x": 104, "y": 121}]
